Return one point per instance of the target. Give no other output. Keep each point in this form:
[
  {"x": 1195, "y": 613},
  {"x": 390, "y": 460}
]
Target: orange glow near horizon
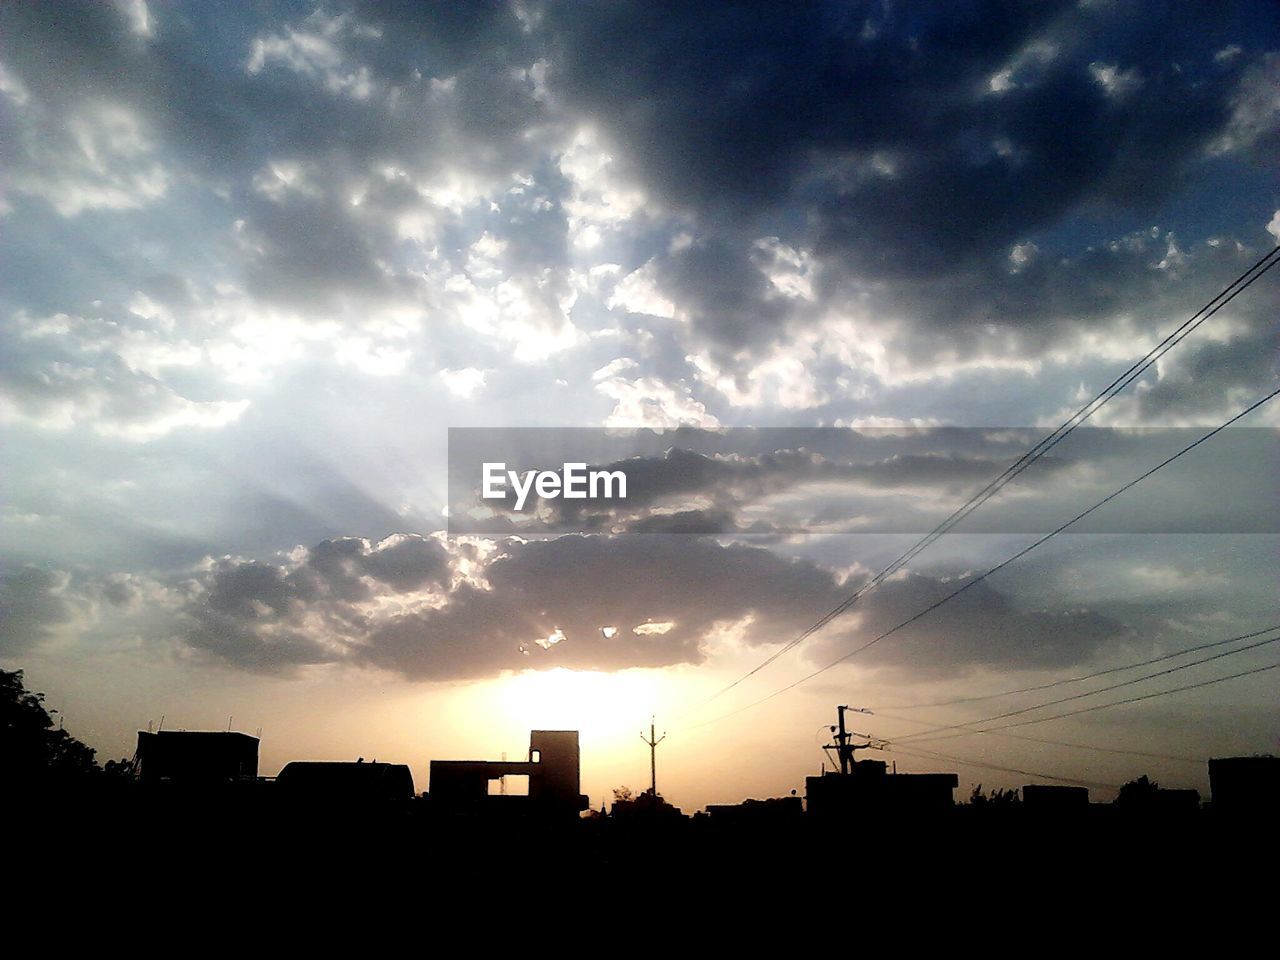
[{"x": 608, "y": 709}]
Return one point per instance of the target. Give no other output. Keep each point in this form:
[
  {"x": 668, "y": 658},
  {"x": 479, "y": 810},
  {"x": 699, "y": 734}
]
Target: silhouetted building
[
  {"x": 346, "y": 782},
  {"x": 870, "y": 789},
  {"x": 193, "y": 756},
  {"x": 1177, "y": 801},
  {"x": 1053, "y": 798},
  {"x": 1245, "y": 784},
  {"x": 1145, "y": 796},
  {"x": 553, "y": 769},
  {"x": 773, "y": 810}
]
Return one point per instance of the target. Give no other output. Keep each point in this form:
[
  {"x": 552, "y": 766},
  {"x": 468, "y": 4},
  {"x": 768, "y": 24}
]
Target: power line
[
  {"x": 1000, "y": 566},
  {"x": 1114, "y": 686},
  {"x": 969, "y": 727},
  {"x": 1228, "y": 293},
  {"x": 938, "y": 728},
  {"x": 1118, "y": 703},
  {"x": 933, "y": 755},
  {"x": 1080, "y": 679},
  {"x": 1122, "y": 751}
]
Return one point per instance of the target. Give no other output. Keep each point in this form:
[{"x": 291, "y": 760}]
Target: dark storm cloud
[
  {"x": 662, "y": 594},
  {"x": 982, "y": 627},
  {"x": 1150, "y": 278},
  {"x": 736, "y": 482},
  {"x": 969, "y": 182},
  {"x": 912, "y": 149},
  {"x": 225, "y": 92},
  {"x": 545, "y": 604},
  {"x": 407, "y": 606},
  {"x": 119, "y": 590},
  {"x": 917, "y": 147},
  {"x": 315, "y": 252},
  {"x": 32, "y": 605},
  {"x": 728, "y": 297},
  {"x": 1233, "y": 372},
  {"x": 273, "y": 617},
  {"x": 742, "y": 108},
  {"x": 77, "y": 53},
  {"x": 406, "y": 562},
  {"x": 695, "y": 521},
  {"x": 112, "y": 118},
  {"x": 724, "y": 108}
]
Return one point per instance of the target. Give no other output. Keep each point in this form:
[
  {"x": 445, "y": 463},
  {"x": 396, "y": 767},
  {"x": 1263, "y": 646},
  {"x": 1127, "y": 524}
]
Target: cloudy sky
[{"x": 258, "y": 259}]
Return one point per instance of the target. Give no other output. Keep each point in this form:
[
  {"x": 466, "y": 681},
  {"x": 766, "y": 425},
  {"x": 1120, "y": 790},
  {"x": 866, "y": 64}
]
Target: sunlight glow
[{"x": 599, "y": 704}]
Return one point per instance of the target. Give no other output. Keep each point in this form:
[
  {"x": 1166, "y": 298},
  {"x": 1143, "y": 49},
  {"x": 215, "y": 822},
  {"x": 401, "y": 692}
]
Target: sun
[{"x": 597, "y": 703}]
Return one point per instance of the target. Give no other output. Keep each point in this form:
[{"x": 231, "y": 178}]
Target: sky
[{"x": 259, "y": 259}]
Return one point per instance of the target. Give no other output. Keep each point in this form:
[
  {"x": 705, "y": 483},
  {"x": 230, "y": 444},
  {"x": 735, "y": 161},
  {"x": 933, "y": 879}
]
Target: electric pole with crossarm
[{"x": 653, "y": 740}]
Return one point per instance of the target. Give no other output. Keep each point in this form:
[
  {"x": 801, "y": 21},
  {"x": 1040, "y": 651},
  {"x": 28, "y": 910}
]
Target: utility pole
[
  {"x": 844, "y": 749},
  {"x": 653, "y": 740}
]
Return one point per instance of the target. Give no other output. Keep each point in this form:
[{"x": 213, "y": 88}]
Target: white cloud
[
  {"x": 651, "y": 403},
  {"x": 136, "y": 15},
  {"x": 106, "y": 376},
  {"x": 1021, "y": 254},
  {"x": 527, "y": 309},
  {"x": 790, "y": 271},
  {"x": 1255, "y": 107},
  {"x": 371, "y": 356},
  {"x": 613, "y": 368},
  {"x": 784, "y": 378},
  {"x": 601, "y": 200},
  {"x": 280, "y": 177},
  {"x": 651, "y": 629},
  {"x": 638, "y": 292},
  {"x": 100, "y": 157},
  {"x": 1022, "y": 69},
  {"x": 464, "y": 383},
  {"x": 110, "y": 398},
  {"x": 314, "y": 50},
  {"x": 12, "y": 87},
  {"x": 1117, "y": 83}
]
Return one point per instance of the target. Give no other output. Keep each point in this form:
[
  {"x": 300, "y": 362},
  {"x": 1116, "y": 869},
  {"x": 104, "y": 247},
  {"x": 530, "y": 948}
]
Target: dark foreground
[{"x": 176, "y": 863}]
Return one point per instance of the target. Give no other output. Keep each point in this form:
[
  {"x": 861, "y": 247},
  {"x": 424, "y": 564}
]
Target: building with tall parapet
[{"x": 553, "y": 772}]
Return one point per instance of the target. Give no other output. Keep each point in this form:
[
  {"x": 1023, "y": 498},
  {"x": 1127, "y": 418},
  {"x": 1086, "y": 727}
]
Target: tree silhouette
[
  {"x": 124, "y": 769},
  {"x": 31, "y": 749},
  {"x": 1137, "y": 794},
  {"x": 998, "y": 798}
]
